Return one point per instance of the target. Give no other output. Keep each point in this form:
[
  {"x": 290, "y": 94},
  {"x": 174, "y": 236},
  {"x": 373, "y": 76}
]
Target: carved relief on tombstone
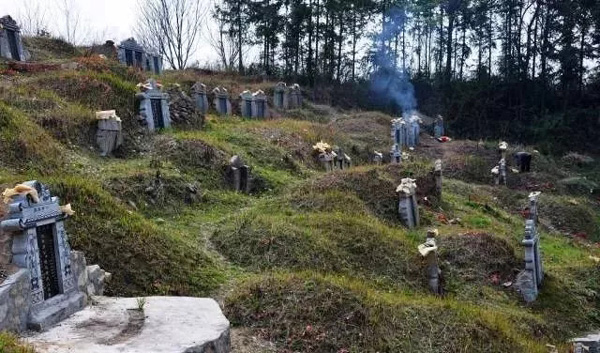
[
  {"x": 238, "y": 175},
  {"x": 11, "y": 45},
  {"x": 408, "y": 207},
  {"x": 200, "y": 97},
  {"x": 109, "y": 135},
  {"x": 429, "y": 251},
  {"x": 295, "y": 100},
  {"x": 281, "y": 96},
  {"x": 40, "y": 245},
  {"x": 260, "y": 108},
  {"x": 530, "y": 279},
  {"x": 246, "y": 104},
  {"x": 221, "y": 101},
  {"x": 153, "y": 105}
]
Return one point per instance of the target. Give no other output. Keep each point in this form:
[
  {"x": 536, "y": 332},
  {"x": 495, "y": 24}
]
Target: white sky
[{"x": 100, "y": 19}]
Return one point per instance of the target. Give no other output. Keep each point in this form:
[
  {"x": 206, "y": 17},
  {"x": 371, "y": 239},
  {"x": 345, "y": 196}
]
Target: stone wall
[{"x": 15, "y": 301}]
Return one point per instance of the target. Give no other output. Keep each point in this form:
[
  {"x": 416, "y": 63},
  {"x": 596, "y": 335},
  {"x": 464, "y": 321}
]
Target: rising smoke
[{"x": 391, "y": 84}]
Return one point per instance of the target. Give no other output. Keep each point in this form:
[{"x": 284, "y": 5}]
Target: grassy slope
[{"x": 319, "y": 262}]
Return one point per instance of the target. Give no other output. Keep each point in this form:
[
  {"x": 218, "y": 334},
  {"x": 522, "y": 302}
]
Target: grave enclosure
[
  {"x": 221, "y": 101},
  {"x": 153, "y": 106},
  {"x": 132, "y": 54},
  {"x": 51, "y": 282},
  {"x": 11, "y": 46}
]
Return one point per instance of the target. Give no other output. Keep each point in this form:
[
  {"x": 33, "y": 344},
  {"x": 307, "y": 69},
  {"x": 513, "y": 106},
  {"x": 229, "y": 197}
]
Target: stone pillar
[
  {"x": 429, "y": 251},
  {"x": 109, "y": 135},
  {"x": 200, "y": 97},
  {"x": 437, "y": 173},
  {"x": 530, "y": 279},
  {"x": 408, "y": 207},
  {"x": 246, "y": 98}
]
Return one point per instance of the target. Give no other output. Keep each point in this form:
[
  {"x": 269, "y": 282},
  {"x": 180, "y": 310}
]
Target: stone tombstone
[
  {"x": 153, "y": 62},
  {"x": 295, "y": 100},
  {"x": 438, "y": 127},
  {"x": 221, "y": 101},
  {"x": 530, "y": 279},
  {"x": 260, "y": 109},
  {"x": 239, "y": 175},
  {"x": 377, "y": 158},
  {"x": 109, "y": 135},
  {"x": 59, "y": 281},
  {"x": 408, "y": 207},
  {"x": 502, "y": 172},
  {"x": 325, "y": 155},
  {"x": 502, "y": 149},
  {"x": 412, "y": 128},
  {"x": 341, "y": 160},
  {"x": 281, "y": 96},
  {"x": 398, "y": 137},
  {"x": 130, "y": 53},
  {"x": 153, "y": 105},
  {"x": 200, "y": 97},
  {"x": 246, "y": 98},
  {"x": 429, "y": 251},
  {"x": 437, "y": 174},
  {"x": 11, "y": 46}
]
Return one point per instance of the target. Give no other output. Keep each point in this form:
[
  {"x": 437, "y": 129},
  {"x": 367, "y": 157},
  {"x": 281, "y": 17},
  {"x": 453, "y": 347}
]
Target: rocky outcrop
[{"x": 183, "y": 109}]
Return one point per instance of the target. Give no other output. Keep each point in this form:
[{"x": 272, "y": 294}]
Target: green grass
[{"x": 9, "y": 343}]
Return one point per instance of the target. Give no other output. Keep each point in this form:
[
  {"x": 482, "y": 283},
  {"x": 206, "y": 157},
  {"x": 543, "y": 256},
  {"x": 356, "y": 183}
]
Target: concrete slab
[{"x": 168, "y": 324}]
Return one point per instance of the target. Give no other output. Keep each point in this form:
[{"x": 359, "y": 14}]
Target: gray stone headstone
[
  {"x": 11, "y": 45},
  {"x": 399, "y": 139},
  {"x": 260, "y": 108},
  {"x": 281, "y": 96},
  {"x": 246, "y": 99},
  {"x": 132, "y": 54},
  {"x": 153, "y": 105},
  {"x": 530, "y": 279},
  {"x": 221, "y": 101},
  {"x": 239, "y": 175},
  {"x": 295, "y": 97},
  {"x": 438, "y": 127},
  {"x": 429, "y": 250},
  {"x": 109, "y": 135},
  {"x": 200, "y": 97},
  {"x": 408, "y": 207},
  {"x": 437, "y": 173}
]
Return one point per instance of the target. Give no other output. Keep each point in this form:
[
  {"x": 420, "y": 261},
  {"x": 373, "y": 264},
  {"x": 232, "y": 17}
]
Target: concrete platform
[{"x": 167, "y": 324}]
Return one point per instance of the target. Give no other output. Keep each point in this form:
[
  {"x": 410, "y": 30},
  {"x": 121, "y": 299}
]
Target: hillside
[{"x": 310, "y": 261}]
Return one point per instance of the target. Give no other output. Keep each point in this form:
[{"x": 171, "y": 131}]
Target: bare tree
[
  {"x": 223, "y": 44},
  {"x": 32, "y": 18},
  {"x": 70, "y": 25},
  {"x": 172, "y": 27}
]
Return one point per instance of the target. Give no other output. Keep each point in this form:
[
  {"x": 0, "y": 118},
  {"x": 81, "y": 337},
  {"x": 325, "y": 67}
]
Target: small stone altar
[
  {"x": 281, "y": 96},
  {"x": 200, "y": 97},
  {"x": 52, "y": 282},
  {"x": 221, "y": 101},
  {"x": 109, "y": 135},
  {"x": 153, "y": 105},
  {"x": 530, "y": 279},
  {"x": 11, "y": 46},
  {"x": 408, "y": 207},
  {"x": 116, "y": 325}
]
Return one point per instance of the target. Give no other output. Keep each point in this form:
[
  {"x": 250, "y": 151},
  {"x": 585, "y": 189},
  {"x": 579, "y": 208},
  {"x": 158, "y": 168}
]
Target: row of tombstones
[{"x": 528, "y": 280}]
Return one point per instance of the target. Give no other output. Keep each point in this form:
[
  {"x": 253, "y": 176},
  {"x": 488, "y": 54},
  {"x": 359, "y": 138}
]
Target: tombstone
[
  {"x": 11, "y": 46},
  {"x": 377, "y": 158},
  {"x": 153, "y": 105},
  {"x": 496, "y": 175},
  {"x": 412, "y": 129},
  {"x": 59, "y": 281},
  {"x": 295, "y": 100},
  {"x": 200, "y": 97},
  {"x": 408, "y": 207},
  {"x": 530, "y": 279},
  {"x": 502, "y": 148},
  {"x": 281, "y": 96},
  {"x": 438, "y": 127},
  {"x": 523, "y": 160},
  {"x": 325, "y": 155},
  {"x": 239, "y": 175},
  {"x": 221, "y": 101},
  {"x": 429, "y": 251},
  {"x": 132, "y": 54},
  {"x": 398, "y": 136},
  {"x": 437, "y": 173},
  {"x": 246, "y": 104},
  {"x": 341, "y": 160},
  {"x": 109, "y": 135},
  {"x": 502, "y": 171},
  {"x": 260, "y": 109}
]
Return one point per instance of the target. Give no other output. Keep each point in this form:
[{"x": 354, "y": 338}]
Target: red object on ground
[{"x": 444, "y": 139}]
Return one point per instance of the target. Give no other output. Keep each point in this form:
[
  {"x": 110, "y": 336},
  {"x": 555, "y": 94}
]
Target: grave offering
[
  {"x": 109, "y": 135},
  {"x": 246, "y": 99},
  {"x": 295, "y": 97},
  {"x": 130, "y": 53},
  {"x": 398, "y": 136},
  {"x": 437, "y": 173},
  {"x": 325, "y": 155},
  {"x": 429, "y": 251},
  {"x": 281, "y": 96},
  {"x": 408, "y": 207},
  {"x": 378, "y": 158},
  {"x": 260, "y": 109},
  {"x": 530, "y": 279},
  {"x": 438, "y": 127},
  {"x": 342, "y": 160},
  {"x": 52, "y": 282},
  {"x": 153, "y": 105},
  {"x": 11, "y": 46},
  {"x": 221, "y": 101},
  {"x": 523, "y": 160},
  {"x": 239, "y": 175},
  {"x": 200, "y": 97}
]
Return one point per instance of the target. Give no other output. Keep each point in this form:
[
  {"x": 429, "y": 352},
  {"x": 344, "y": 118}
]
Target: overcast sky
[{"x": 102, "y": 19}]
